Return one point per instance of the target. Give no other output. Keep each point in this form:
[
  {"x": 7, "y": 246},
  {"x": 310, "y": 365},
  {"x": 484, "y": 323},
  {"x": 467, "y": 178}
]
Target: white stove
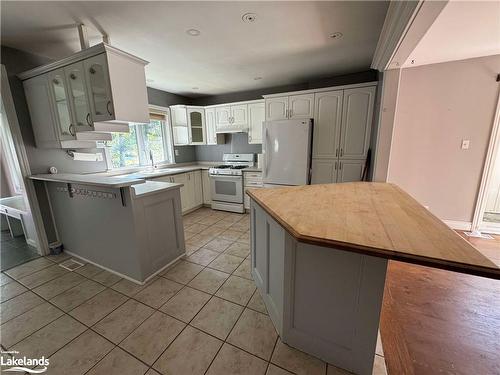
[{"x": 227, "y": 182}]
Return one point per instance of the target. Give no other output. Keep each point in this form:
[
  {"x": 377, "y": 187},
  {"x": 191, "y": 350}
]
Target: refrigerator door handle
[{"x": 266, "y": 153}]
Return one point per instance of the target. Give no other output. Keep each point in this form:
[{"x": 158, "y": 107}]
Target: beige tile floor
[{"x": 203, "y": 315}]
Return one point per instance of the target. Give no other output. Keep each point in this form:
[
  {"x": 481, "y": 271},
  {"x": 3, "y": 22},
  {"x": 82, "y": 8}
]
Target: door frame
[
  {"x": 22, "y": 157},
  {"x": 493, "y": 149}
]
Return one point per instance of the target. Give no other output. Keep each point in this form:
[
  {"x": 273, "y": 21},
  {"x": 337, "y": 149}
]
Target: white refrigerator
[{"x": 286, "y": 152}]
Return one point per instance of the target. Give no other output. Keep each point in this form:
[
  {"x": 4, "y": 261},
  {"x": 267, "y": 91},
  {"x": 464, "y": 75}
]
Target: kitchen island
[
  {"x": 319, "y": 259},
  {"x": 129, "y": 226}
]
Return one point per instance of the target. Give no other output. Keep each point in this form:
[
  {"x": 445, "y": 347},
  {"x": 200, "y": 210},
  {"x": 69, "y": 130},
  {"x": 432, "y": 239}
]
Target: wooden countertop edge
[{"x": 490, "y": 273}]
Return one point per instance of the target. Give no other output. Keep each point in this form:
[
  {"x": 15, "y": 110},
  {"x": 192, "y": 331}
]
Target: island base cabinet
[{"x": 323, "y": 301}]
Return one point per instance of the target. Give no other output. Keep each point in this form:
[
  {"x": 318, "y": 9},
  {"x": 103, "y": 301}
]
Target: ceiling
[
  {"x": 463, "y": 30},
  {"x": 289, "y": 42}
]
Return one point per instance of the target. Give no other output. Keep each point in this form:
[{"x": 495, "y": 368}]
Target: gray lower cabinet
[
  {"x": 323, "y": 301},
  {"x": 327, "y": 171}
]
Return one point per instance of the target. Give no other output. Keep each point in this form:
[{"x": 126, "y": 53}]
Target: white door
[
  {"x": 277, "y": 108},
  {"x": 210, "y": 126},
  {"x": 207, "y": 194},
  {"x": 327, "y": 120},
  {"x": 286, "y": 152},
  {"x": 324, "y": 171},
  {"x": 99, "y": 88},
  {"x": 256, "y": 116},
  {"x": 196, "y": 125},
  {"x": 301, "y": 106},
  {"x": 357, "y": 118},
  {"x": 239, "y": 117},
  {"x": 222, "y": 118},
  {"x": 350, "y": 170}
]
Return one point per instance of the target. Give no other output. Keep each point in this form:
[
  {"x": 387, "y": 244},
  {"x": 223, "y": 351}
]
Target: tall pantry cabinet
[{"x": 342, "y": 128}]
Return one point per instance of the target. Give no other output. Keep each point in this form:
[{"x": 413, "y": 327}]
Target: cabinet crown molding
[
  {"x": 79, "y": 56},
  {"x": 322, "y": 89}
]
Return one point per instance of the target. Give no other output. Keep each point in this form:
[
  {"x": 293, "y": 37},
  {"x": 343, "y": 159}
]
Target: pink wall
[{"x": 438, "y": 106}]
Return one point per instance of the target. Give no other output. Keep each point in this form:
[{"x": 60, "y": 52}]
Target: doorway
[
  {"x": 487, "y": 215},
  {"x": 18, "y": 237}
]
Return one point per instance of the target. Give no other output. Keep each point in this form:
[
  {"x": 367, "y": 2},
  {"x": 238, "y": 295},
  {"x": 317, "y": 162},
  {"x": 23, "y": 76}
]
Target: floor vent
[{"x": 71, "y": 264}]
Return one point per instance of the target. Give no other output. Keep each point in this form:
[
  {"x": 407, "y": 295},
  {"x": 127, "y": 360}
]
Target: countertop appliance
[
  {"x": 286, "y": 149},
  {"x": 226, "y": 182}
]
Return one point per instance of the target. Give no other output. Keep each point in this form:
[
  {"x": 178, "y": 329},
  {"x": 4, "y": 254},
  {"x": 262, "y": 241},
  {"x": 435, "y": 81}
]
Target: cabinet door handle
[
  {"x": 72, "y": 76},
  {"x": 72, "y": 130},
  {"x": 92, "y": 70},
  {"x": 341, "y": 152},
  {"x": 340, "y": 166},
  {"x": 335, "y": 165},
  {"x": 89, "y": 121},
  {"x": 290, "y": 112},
  {"x": 336, "y": 152},
  {"x": 108, "y": 106}
]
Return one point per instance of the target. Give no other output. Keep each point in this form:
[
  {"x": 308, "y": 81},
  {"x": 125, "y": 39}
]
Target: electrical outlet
[
  {"x": 176, "y": 152},
  {"x": 99, "y": 156},
  {"x": 465, "y": 144}
]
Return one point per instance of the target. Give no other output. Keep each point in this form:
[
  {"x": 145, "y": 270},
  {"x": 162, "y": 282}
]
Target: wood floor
[{"x": 441, "y": 322}]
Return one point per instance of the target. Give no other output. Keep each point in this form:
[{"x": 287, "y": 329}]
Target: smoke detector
[
  {"x": 336, "y": 35},
  {"x": 193, "y": 32},
  {"x": 249, "y": 17}
]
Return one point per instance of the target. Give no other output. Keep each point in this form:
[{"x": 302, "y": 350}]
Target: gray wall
[
  {"x": 438, "y": 106},
  {"x": 367, "y": 76},
  {"x": 235, "y": 143}
]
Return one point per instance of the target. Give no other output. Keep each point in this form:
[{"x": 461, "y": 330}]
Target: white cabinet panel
[
  {"x": 198, "y": 188},
  {"x": 327, "y": 120},
  {"x": 99, "y": 88},
  {"x": 357, "y": 117},
  {"x": 210, "y": 126},
  {"x": 207, "y": 193},
  {"x": 350, "y": 170},
  {"x": 277, "y": 108},
  {"x": 324, "y": 171},
  {"x": 239, "y": 116},
  {"x": 179, "y": 115},
  {"x": 256, "y": 116},
  {"x": 62, "y": 105},
  {"x": 181, "y": 135},
  {"x": 80, "y": 107},
  {"x": 222, "y": 118},
  {"x": 301, "y": 106}
]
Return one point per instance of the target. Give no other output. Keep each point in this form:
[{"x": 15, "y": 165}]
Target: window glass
[
  {"x": 124, "y": 149},
  {"x": 135, "y": 148}
]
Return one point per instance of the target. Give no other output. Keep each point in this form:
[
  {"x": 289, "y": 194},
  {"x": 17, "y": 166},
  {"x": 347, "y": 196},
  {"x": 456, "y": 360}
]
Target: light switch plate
[{"x": 465, "y": 144}]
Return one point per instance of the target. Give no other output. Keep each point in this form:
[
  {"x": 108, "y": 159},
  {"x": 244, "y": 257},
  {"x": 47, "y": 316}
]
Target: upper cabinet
[
  {"x": 256, "y": 116},
  {"x": 212, "y": 137},
  {"x": 99, "y": 89},
  {"x": 196, "y": 125},
  {"x": 290, "y": 107},
  {"x": 231, "y": 118},
  {"x": 357, "y": 118}
]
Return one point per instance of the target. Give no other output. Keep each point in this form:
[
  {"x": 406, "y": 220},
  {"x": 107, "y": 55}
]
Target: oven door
[{"x": 227, "y": 188}]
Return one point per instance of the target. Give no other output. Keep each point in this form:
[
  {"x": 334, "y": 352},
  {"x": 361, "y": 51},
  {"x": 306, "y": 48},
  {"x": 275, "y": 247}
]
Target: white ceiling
[
  {"x": 463, "y": 30},
  {"x": 288, "y": 43}
]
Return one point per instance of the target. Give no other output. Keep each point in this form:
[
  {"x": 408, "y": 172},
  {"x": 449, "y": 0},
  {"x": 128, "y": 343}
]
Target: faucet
[{"x": 151, "y": 158}]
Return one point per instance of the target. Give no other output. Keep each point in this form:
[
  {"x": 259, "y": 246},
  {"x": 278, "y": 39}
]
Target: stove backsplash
[{"x": 236, "y": 143}]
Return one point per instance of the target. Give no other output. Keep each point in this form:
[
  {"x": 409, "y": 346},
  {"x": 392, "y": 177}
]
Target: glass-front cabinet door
[
  {"x": 62, "y": 106},
  {"x": 196, "y": 123},
  {"x": 79, "y": 103},
  {"x": 99, "y": 88}
]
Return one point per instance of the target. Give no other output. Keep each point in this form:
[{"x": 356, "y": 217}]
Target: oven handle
[{"x": 228, "y": 177}]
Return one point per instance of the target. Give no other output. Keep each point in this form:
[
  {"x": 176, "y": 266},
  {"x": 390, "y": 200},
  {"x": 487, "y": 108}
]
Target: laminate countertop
[
  {"x": 154, "y": 187},
  {"x": 90, "y": 179},
  {"x": 378, "y": 219}
]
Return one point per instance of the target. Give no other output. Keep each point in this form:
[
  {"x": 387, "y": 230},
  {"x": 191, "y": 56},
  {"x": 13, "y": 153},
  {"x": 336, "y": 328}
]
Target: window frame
[{"x": 168, "y": 144}]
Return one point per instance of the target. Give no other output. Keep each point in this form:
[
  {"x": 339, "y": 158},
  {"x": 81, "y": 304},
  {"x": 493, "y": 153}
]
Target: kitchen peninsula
[
  {"x": 127, "y": 225},
  {"x": 319, "y": 258}
]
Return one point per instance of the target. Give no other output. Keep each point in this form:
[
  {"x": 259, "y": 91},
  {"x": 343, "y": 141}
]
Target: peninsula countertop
[
  {"x": 377, "y": 219},
  {"x": 90, "y": 179}
]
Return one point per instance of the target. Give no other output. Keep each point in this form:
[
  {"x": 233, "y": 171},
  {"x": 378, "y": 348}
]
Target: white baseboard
[
  {"x": 122, "y": 275},
  {"x": 458, "y": 225}
]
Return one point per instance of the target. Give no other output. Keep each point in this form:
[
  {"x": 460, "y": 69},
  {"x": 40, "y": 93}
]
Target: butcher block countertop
[{"x": 372, "y": 218}]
